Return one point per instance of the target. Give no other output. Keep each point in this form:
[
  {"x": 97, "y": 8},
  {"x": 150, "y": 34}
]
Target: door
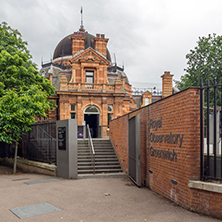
[
  {"x": 134, "y": 150},
  {"x": 92, "y": 120},
  {"x": 92, "y": 117}
]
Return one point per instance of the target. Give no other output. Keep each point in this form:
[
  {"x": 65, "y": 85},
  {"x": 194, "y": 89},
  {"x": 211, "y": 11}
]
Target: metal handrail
[
  {"x": 90, "y": 144},
  {"x": 45, "y": 132}
]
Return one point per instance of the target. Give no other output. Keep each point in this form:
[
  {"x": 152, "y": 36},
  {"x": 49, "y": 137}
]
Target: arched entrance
[{"x": 91, "y": 116}]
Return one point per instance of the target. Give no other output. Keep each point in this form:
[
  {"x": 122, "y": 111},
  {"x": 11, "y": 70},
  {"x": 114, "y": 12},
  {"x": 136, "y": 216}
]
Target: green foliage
[
  {"x": 204, "y": 61},
  {"x": 23, "y": 92},
  {"x": 17, "y": 112}
]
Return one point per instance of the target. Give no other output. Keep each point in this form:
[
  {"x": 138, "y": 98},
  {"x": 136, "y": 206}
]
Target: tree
[
  {"x": 204, "y": 61},
  {"x": 23, "y": 92}
]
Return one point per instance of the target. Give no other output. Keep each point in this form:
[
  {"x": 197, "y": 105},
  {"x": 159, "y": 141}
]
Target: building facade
[{"x": 88, "y": 86}]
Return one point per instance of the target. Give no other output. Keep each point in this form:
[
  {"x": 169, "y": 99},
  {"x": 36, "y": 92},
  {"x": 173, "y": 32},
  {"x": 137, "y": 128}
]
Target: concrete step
[
  {"x": 96, "y": 149},
  {"x": 83, "y": 146},
  {"x": 83, "y": 171},
  {"x": 105, "y": 152},
  {"x": 106, "y": 160},
  {"x": 103, "y": 148},
  {"x": 83, "y": 152},
  {"x": 102, "y": 145},
  {"x": 106, "y": 156},
  {"x": 99, "y": 163},
  {"x": 88, "y": 159},
  {"x": 102, "y": 175}
]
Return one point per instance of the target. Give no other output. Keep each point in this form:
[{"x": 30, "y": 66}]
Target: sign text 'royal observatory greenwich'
[{"x": 170, "y": 138}]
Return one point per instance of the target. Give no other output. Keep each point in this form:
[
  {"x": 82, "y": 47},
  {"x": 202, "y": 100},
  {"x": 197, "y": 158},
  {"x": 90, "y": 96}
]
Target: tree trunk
[{"x": 15, "y": 158}]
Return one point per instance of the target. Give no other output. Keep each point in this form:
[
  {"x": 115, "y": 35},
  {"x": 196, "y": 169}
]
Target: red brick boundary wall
[{"x": 170, "y": 151}]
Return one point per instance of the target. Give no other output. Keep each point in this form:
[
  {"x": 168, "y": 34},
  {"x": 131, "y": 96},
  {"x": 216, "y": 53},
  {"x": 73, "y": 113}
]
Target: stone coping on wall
[
  {"x": 208, "y": 186},
  {"x": 30, "y": 166}
]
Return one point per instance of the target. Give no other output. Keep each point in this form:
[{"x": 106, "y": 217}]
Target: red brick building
[{"x": 88, "y": 86}]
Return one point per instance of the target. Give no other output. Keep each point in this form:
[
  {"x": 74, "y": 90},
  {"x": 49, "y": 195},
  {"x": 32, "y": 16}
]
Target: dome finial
[{"x": 81, "y": 26}]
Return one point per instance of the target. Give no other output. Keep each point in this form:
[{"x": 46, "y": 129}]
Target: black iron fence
[
  {"x": 211, "y": 134},
  {"x": 39, "y": 144}
]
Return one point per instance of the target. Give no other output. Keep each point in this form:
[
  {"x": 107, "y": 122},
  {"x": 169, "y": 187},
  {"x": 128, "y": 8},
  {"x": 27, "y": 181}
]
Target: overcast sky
[{"x": 147, "y": 36}]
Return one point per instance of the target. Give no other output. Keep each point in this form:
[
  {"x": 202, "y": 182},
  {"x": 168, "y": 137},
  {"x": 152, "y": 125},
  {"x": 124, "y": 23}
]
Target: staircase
[
  {"x": 42, "y": 151},
  {"x": 106, "y": 160}
]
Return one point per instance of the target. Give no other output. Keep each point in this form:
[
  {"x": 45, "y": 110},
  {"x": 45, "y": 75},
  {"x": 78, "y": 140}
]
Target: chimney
[
  {"x": 78, "y": 42},
  {"x": 166, "y": 84},
  {"x": 100, "y": 43}
]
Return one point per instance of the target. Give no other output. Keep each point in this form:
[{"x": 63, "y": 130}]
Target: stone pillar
[
  {"x": 73, "y": 77},
  {"x": 66, "y": 146},
  {"x": 82, "y": 75},
  {"x": 104, "y": 117}
]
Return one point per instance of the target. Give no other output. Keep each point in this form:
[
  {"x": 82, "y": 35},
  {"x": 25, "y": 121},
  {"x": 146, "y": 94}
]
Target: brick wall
[
  {"x": 206, "y": 202},
  {"x": 118, "y": 131},
  {"x": 170, "y": 150},
  {"x": 179, "y": 132}
]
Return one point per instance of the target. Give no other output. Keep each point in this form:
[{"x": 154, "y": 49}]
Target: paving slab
[
  {"x": 91, "y": 199},
  {"x": 34, "y": 210},
  {"x": 41, "y": 181}
]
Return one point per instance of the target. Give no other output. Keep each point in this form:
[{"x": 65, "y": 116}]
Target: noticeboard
[{"x": 62, "y": 138}]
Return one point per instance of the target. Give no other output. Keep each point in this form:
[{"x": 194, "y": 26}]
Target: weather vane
[{"x": 81, "y": 27}]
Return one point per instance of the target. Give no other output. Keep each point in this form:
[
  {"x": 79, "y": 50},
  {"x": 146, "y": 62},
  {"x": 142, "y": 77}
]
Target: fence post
[
  {"x": 208, "y": 132},
  {"x": 220, "y": 128},
  {"x": 201, "y": 129},
  {"x": 215, "y": 129}
]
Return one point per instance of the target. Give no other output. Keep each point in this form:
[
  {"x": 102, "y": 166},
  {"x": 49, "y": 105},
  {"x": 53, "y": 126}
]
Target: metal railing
[
  {"x": 210, "y": 131},
  {"x": 140, "y": 91},
  {"x": 92, "y": 150},
  {"x": 42, "y": 145}
]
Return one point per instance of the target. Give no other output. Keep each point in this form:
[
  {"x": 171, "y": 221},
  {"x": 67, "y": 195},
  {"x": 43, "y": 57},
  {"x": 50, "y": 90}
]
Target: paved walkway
[{"x": 92, "y": 199}]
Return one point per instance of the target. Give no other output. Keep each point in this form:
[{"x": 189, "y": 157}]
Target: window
[
  {"x": 72, "y": 115},
  {"x": 147, "y": 101},
  {"x": 110, "y": 108},
  {"x": 72, "y": 111},
  {"x": 72, "y": 107},
  {"x": 89, "y": 77},
  {"x": 110, "y": 113},
  {"x": 91, "y": 110}
]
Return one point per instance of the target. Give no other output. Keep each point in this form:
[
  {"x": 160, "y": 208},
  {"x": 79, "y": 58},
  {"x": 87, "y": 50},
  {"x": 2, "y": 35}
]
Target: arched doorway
[{"x": 91, "y": 117}]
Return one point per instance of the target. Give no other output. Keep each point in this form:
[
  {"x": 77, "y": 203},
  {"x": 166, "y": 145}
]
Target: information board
[{"x": 62, "y": 138}]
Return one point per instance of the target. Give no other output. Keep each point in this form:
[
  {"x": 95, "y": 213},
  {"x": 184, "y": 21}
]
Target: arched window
[{"x": 91, "y": 110}]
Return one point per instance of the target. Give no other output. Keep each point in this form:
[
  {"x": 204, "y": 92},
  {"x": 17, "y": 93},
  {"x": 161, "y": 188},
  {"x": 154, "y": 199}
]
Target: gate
[
  {"x": 134, "y": 150},
  {"x": 210, "y": 131}
]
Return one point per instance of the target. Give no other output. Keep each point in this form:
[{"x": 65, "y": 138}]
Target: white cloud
[{"x": 148, "y": 36}]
